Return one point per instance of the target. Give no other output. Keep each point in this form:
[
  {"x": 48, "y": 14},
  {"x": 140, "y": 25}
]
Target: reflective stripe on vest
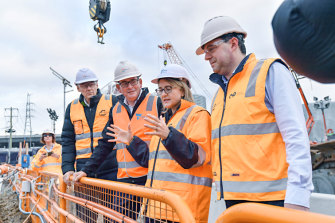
[
  {"x": 132, "y": 164},
  {"x": 164, "y": 154},
  {"x": 253, "y": 186},
  {"x": 181, "y": 178},
  {"x": 251, "y": 88},
  {"x": 88, "y": 135},
  {"x": 51, "y": 164},
  {"x": 182, "y": 121},
  {"x": 83, "y": 151},
  {"x": 246, "y": 129}
]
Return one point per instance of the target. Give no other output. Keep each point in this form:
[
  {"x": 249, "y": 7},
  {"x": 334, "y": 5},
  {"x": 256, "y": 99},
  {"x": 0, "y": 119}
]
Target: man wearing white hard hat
[
  {"x": 85, "y": 118},
  {"x": 133, "y": 105},
  {"x": 181, "y": 141},
  {"x": 259, "y": 138}
]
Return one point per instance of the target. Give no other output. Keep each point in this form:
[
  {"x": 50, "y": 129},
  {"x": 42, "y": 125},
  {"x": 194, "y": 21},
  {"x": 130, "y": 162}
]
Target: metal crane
[
  {"x": 65, "y": 82},
  {"x": 310, "y": 119},
  {"x": 176, "y": 59}
]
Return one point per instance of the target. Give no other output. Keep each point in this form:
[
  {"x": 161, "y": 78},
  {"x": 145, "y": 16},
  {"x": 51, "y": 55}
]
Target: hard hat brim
[{"x": 87, "y": 80}]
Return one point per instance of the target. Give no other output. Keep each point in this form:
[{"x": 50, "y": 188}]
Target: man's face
[
  {"x": 219, "y": 55},
  {"x": 130, "y": 88},
  {"x": 88, "y": 89}
]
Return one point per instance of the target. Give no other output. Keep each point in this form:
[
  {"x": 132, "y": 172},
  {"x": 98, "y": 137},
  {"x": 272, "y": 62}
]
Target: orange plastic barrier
[
  {"x": 92, "y": 200},
  {"x": 262, "y": 213}
]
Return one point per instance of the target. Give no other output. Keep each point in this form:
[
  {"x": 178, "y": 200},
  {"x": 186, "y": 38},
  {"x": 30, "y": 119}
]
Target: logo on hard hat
[{"x": 124, "y": 70}]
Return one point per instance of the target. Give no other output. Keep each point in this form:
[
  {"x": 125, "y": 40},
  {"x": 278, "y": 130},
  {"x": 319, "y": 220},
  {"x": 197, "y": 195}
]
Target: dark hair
[{"x": 239, "y": 37}]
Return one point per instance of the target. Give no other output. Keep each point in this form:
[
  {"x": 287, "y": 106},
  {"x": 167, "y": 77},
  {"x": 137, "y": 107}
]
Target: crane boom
[
  {"x": 175, "y": 58},
  {"x": 310, "y": 119}
]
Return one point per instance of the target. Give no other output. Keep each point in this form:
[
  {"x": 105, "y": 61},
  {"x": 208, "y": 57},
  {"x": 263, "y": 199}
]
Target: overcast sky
[{"x": 39, "y": 34}]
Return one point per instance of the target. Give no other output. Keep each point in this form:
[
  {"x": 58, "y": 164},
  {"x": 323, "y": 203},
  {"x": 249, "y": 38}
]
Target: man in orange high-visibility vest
[{"x": 259, "y": 138}]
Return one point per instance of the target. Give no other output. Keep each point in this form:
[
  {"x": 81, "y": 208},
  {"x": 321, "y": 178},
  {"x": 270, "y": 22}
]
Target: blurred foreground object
[{"x": 304, "y": 35}]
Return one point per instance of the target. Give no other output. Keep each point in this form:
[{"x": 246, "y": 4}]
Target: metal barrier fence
[
  {"x": 129, "y": 203},
  {"x": 261, "y": 213},
  {"x": 48, "y": 199}
]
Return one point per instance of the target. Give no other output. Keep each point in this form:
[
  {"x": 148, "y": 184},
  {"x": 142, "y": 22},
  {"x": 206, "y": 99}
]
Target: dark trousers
[
  {"x": 229, "y": 203},
  {"x": 128, "y": 204},
  {"x": 95, "y": 194}
]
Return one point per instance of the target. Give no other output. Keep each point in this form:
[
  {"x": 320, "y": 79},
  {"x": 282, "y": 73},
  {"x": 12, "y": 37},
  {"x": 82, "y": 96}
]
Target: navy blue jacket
[
  {"x": 108, "y": 169},
  {"x": 104, "y": 147}
]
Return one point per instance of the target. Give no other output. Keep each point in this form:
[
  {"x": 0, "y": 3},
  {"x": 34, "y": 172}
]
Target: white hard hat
[
  {"x": 217, "y": 27},
  {"x": 173, "y": 71},
  {"x": 48, "y": 131},
  {"x": 85, "y": 75},
  {"x": 125, "y": 70}
]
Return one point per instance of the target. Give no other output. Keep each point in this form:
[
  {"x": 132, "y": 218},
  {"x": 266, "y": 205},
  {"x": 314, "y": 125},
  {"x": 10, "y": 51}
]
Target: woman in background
[{"x": 48, "y": 158}]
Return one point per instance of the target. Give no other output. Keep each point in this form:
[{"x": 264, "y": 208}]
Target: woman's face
[
  {"x": 170, "y": 95},
  {"x": 47, "y": 137}
]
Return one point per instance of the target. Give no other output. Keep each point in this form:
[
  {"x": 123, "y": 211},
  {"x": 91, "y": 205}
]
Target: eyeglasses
[
  {"x": 167, "y": 90},
  {"x": 47, "y": 134},
  {"x": 212, "y": 47},
  {"x": 132, "y": 82},
  {"x": 87, "y": 85}
]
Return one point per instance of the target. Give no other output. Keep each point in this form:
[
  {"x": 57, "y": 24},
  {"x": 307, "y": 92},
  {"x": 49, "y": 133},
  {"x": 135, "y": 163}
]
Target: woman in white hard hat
[
  {"x": 48, "y": 158},
  {"x": 179, "y": 154}
]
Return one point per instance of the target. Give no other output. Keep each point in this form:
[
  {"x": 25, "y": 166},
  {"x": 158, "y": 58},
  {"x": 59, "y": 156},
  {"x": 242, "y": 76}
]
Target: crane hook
[{"x": 101, "y": 30}]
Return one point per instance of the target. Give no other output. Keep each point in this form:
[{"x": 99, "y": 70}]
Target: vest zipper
[{"x": 223, "y": 110}]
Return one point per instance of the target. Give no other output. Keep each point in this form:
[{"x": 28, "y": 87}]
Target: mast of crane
[
  {"x": 65, "y": 82},
  {"x": 175, "y": 58}
]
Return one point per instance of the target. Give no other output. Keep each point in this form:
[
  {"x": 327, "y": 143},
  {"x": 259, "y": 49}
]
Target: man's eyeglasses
[
  {"x": 87, "y": 85},
  {"x": 47, "y": 134},
  {"x": 167, "y": 90},
  {"x": 212, "y": 47},
  {"x": 132, "y": 82}
]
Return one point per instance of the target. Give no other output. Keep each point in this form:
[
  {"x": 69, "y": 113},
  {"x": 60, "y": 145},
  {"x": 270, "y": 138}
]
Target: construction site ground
[{"x": 9, "y": 209}]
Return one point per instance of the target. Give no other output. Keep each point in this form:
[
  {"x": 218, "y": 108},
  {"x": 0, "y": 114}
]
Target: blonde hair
[{"x": 182, "y": 86}]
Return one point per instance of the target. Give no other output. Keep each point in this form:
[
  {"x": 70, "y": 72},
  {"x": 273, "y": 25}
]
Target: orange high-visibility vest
[
  {"x": 247, "y": 144},
  {"x": 49, "y": 164},
  {"x": 192, "y": 185},
  {"x": 127, "y": 166},
  {"x": 84, "y": 136}
]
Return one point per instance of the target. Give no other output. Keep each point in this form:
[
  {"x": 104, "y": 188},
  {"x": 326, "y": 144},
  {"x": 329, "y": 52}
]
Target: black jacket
[
  {"x": 104, "y": 147},
  {"x": 107, "y": 169}
]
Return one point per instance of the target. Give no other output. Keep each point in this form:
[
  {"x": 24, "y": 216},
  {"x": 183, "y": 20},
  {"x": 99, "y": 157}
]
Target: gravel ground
[{"x": 9, "y": 207}]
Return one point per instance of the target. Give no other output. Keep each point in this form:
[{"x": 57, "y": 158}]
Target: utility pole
[
  {"x": 27, "y": 123},
  {"x": 53, "y": 116},
  {"x": 65, "y": 82},
  {"x": 10, "y": 130}
]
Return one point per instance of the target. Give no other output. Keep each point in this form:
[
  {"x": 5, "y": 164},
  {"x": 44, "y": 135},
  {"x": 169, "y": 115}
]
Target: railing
[
  {"x": 48, "y": 199},
  {"x": 261, "y": 213}
]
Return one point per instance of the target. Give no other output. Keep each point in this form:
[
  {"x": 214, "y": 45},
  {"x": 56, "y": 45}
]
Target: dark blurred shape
[{"x": 304, "y": 35}]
